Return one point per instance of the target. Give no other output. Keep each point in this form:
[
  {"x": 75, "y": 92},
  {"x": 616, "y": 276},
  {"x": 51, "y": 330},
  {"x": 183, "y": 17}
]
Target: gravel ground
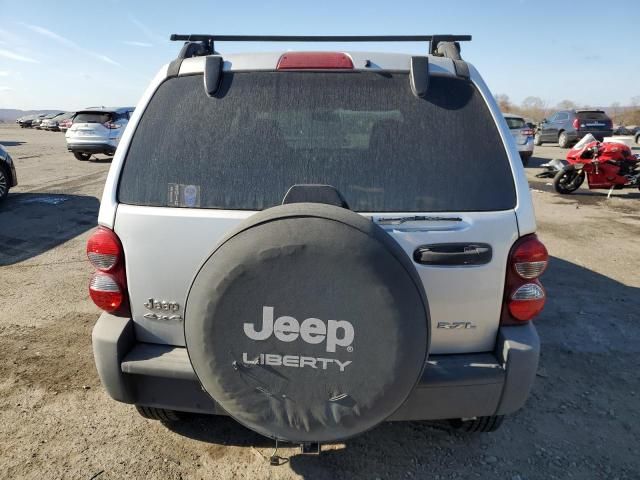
[{"x": 581, "y": 421}]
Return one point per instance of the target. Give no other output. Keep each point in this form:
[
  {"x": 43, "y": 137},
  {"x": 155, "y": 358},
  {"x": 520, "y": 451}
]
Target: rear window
[
  {"x": 592, "y": 116},
  {"x": 514, "y": 122},
  {"x": 364, "y": 133},
  {"x": 92, "y": 117}
]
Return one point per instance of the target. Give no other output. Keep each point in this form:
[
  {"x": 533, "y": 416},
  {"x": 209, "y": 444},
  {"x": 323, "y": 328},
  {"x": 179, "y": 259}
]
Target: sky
[{"x": 74, "y": 54}]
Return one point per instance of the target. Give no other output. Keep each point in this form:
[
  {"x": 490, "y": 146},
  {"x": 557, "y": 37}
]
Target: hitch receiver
[{"x": 310, "y": 448}]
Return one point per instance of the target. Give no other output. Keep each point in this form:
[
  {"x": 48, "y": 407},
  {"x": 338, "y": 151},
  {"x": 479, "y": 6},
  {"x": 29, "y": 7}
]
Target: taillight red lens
[
  {"x": 526, "y": 132},
  {"x": 527, "y": 301},
  {"x": 529, "y": 258},
  {"x": 576, "y": 123},
  {"x": 104, "y": 249},
  {"x": 108, "y": 285},
  {"x": 524, "y": 296},
  {"x": 314, "y": 60},
  {"x": 105, "y": 292}
]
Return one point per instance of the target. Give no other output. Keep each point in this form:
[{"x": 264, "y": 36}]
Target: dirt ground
[{"x": 581, "y": 421}]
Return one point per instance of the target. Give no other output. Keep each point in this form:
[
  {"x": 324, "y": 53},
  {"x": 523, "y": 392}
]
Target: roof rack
[{"x": 206, "y": 43}]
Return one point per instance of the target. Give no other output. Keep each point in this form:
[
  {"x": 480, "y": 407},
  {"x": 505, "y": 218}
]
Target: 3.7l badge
[{"x": 456, "y": 325}]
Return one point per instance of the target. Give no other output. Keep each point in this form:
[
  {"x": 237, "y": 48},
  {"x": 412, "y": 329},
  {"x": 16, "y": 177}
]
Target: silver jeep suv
[{"x": 316, "y": 242}]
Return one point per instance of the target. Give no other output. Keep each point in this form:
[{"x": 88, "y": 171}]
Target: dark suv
[{"x": 568, "y": 126}]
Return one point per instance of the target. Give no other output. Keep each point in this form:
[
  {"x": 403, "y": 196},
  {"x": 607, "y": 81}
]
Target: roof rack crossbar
[{"x": 209, "y": 40}]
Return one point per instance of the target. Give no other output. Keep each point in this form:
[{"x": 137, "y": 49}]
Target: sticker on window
[{"x": 179, "y": 195}]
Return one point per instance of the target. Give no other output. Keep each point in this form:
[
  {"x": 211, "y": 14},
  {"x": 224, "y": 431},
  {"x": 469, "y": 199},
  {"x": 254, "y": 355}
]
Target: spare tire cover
[{"x": 308, "y": 323}]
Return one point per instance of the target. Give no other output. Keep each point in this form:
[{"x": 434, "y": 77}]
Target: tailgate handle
[{"x": 453, "y": 254}]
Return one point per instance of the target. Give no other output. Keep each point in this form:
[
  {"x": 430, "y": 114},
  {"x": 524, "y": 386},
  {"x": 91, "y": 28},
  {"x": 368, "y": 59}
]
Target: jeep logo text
[
  {"x": 337, "y": 333},
  {"x": 152, "y": 304}
]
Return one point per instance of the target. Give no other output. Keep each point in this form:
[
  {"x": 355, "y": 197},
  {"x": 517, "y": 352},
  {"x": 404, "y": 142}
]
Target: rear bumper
[
  {"x": 91, "y": 148},
  {"x": 526, "y": 147},
  {"x": 452, "y": 386},
  {"x": 598, "y": 134}
]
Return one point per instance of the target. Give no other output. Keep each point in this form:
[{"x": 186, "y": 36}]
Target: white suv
[
  {"x": 96, "y": 130},
  {"x": 316, "y": 242}
]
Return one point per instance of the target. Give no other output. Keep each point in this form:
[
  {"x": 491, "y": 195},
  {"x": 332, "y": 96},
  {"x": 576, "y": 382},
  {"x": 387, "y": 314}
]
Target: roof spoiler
[{"x": 197, "y": 45}]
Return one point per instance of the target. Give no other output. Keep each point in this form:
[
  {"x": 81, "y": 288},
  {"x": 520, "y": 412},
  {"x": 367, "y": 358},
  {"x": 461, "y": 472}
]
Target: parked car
[
  {"x": 567, "y": 127},
  {"x": 54, "y": 124},
  {"x": 523, "y": 135},
  {"x": 35, "y": 122},
  {"x": 322, "y": 228},
  {"x": 621, "y": 130},
  {"x": 65, "y": 123},
  {"x": 8, "y": 177},
  {"x": 50, "y": 122},
  {"x": 25, "y": 121},
  {"x": 633, "y": 129},
  {"x": 96, "y": 130}
]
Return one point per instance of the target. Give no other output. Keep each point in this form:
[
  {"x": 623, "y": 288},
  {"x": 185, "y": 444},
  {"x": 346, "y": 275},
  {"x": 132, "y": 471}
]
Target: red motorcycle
[{"x": 607, "y": 165}]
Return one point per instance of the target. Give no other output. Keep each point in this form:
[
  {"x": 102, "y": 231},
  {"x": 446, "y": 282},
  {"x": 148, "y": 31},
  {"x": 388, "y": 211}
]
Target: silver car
[
  {"x": 316, "y": 242},
  {"x": 523, "y": 135},
  {"x": 96, "y": 130}
]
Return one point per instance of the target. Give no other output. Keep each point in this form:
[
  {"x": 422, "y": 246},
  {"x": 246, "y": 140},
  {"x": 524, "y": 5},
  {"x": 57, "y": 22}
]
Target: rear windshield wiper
[{"x": 415, "y": 218}]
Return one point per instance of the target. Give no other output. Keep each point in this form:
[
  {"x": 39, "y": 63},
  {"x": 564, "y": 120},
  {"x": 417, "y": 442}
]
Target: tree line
[{"x": 536, "y": 109}]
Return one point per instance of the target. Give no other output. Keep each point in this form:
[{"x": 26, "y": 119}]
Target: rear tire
[
  {"x": 537, "y": 141},
  {"x": 4, "y": 184},
  {"x": 568, "y": 180},
  {"x": 477, "y": 425},
  {"x": 525, "y": 157},
  {"x": 563, "y": 140},
  {"x": 160, "y": 414},
  {"x": 82, "y": 156}
]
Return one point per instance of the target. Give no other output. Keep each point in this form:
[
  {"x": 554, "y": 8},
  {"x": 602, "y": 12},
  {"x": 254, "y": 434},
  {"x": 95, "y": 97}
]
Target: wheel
[
  {"x": 525, "y": 156},
  {"x": 4, "y": 184},
  {"x": 568, "y": 180},
  {"x": 318, "y": 394},
  {"x": 477, "y": 425},
  {"x": 537, "y": 140},
  {"x": 161, "y": 414},
  {"x": 563, "y": 140},
  {"x": 82, "y": 155},
  {"x": 638, "y": 138}
]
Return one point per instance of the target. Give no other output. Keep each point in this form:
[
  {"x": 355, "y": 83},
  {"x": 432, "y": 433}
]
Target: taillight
[
  {"x": 526, "y": 132},
  {"x": 529, "y": 257},
  {"x": 105, "y": 292},
  {"x": 111, "y": 125},
  {"x": 576, "y": 123},
  {"x": 104, "y": 249},
  {"x": 315, "y": 61},
  {"x": 108, "y": 286},
  {"x": 524, "y": 296}
]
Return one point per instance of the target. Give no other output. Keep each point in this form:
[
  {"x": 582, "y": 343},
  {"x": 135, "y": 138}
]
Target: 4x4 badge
[{"x": 156, "y": 316}]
